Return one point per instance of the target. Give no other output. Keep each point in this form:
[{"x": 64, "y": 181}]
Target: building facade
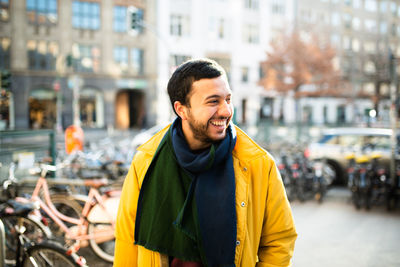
[
  {"x": 364, "y": 33},
  {"x": 235, "y": 33},
  {"x": 76, "y": 61}
]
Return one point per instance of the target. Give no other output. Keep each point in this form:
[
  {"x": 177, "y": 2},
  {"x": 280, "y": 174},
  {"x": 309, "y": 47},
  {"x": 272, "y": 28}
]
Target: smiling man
[{"x": 201, "y": 193}]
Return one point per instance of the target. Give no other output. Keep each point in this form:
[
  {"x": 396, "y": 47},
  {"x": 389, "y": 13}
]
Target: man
[{"x": 201, "y": 192}]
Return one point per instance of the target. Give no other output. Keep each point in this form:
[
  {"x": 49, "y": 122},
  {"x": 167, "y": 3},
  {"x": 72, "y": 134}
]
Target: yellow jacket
[{"x": 265, "y": 228}]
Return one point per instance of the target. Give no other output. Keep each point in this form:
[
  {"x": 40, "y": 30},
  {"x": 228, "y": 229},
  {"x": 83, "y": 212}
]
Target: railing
[{"x": 39, "y": 143}]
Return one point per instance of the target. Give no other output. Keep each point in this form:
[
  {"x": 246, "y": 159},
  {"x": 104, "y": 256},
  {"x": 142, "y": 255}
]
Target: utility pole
[{"x": 393, "y": 114}]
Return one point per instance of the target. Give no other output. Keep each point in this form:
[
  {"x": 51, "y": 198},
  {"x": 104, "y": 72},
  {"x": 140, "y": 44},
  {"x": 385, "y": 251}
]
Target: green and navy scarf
[{"x": 186, "y": 206}]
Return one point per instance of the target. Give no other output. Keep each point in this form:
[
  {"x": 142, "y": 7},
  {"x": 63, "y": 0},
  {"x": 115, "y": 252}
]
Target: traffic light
[
  {"x": 135, "y": 20},
  {"x": 5, "y": 80}
]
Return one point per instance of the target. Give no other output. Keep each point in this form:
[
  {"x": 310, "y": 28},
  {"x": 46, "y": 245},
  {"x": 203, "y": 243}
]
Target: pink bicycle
[{"x": 95, "y": 224}]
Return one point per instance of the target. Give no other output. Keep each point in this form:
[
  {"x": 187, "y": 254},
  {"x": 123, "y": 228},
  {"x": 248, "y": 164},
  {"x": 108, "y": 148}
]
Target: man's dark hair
[{"x": 181, "y": 81}]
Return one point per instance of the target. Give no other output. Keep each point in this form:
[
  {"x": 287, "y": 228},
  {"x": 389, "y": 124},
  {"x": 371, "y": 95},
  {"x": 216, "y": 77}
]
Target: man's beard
[{"x": 200, "y": 131}]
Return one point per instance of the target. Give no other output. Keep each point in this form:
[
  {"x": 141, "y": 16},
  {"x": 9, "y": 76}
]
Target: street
[{"x": 334, "y": 234}]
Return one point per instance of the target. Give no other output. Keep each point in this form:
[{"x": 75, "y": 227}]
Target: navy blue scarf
[{"x": 213, "y": 186}]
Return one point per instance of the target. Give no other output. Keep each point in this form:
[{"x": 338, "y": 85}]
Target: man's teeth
[{"x": 218, "y": 123}]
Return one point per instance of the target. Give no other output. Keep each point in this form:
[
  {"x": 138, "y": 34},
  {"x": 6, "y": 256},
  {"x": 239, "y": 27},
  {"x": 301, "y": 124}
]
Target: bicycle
[
  {"x": 35, "y": 228},
  {"x": 96, "y": 221},
  {"x": 27, "y": 252}
]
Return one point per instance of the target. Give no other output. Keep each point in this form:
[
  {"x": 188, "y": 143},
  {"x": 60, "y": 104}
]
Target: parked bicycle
[
  {"x": 95, "y": 224},
  {"x": 22, "y": 250},
  {"x": 90, "y": 223}
]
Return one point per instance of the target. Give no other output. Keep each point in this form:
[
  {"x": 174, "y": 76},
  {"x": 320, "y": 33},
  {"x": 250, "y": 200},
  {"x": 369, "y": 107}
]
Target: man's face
[{"x": 209, "y": 114}]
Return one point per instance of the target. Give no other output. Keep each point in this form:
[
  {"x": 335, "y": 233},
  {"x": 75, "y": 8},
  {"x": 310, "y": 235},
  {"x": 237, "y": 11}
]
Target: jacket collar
[{"x": 245, "y": 149}]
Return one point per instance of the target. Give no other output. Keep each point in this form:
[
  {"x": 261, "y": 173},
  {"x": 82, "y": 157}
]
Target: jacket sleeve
[
  {"x": 125, "y": 251},
  {"x": 278, "y": 232}
]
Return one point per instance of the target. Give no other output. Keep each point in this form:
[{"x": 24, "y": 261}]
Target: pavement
[{"x": 335, "y": 234}]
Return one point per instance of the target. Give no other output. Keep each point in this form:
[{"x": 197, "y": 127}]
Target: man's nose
[{"x": 225, "y": 109}]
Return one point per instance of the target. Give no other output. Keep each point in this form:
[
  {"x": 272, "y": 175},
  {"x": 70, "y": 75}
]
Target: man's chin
[{"x": 219, "y": 136}]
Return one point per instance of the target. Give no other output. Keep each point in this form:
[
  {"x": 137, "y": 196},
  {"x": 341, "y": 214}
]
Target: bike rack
[{"x": 2, "y": 244}]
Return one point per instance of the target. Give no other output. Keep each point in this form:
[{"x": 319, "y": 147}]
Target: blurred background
[{"x": 297, "y": 68}]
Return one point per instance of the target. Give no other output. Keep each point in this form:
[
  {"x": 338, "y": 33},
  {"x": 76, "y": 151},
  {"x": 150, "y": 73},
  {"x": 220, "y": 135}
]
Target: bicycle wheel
[
  {"x": 102, "y": 247},
  {"x": 68, "y": 206},
  {"x": 48, "y": 254},
  {"x": 35, "y": 231}
]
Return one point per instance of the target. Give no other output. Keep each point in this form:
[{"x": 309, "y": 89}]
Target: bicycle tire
[
  {"x": 104, "y": 250},
  {"x": 48, "y": 254},
  {"x": 67, "y": 205},
  {"x": 35, "y": 231}
]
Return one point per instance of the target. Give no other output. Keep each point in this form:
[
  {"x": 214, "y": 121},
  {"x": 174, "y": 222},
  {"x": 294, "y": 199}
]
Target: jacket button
[
  {"x": 237, "y": 242},
  {"x": 245, "y": 169},
  {"x": 242, "y": 204}
]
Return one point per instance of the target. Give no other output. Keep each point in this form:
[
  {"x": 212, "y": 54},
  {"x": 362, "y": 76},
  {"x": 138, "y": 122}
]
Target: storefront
[
  {"x": 91, "y": 108},
  {"x": 42, "y": 108},
  {"x": 130, "y": 111}
]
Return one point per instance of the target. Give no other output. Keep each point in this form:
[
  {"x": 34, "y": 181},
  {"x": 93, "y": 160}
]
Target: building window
[
  {"x": 346, "y": 43},
  {"x": 4, "y": 10},
  {"x": 277, "y": 7},
  {"x": 245, "y": 74},
  {"x": 370, "y": 25},
  {"x": 393, "y": 8},
  {"x": 120, "y": 19},
  {"x": 5, "y": 44},
  {"x": 356, "y": 24},
  {"x": 86, "y": 15},
  {"x": 383, "y": 6},
  {"x": 250, "y": 34},
  {"x": 356, "y": 3},
  {"x": 251, "y": 4},
  {"x": 335, "y": 19},
  {"x": 356, "y": 45},
  {"x": 383, "y": 28},
  {"x": 370, "y": 47},
  {"x": 137, "y": 61},
  {"x": 42, "y": 55},
  {"x": 121, "y": 57},
  {"x": 179, "y": 25},
  {"x": 393, "y": 29},
  {"x": 341, "y": 114},
  {"x": 217, "y": 28},
  {"x": 371, "y": 5},
  {"x": 369, "y": 67},
  {"x": 42, "y": 11},
  {"x": 176, "y": 60},
  {"x": 347, "y": 20},
  {"x": 86, "y": 58},
  {"x": 335, "y": 40}
]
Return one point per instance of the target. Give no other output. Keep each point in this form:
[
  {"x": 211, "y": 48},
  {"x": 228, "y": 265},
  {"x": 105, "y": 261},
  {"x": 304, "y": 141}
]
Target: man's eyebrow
[
  {"x": 215, "y": 96},
  {"x": 212, "y": 96}
]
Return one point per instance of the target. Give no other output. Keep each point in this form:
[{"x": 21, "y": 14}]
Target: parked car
[{"x": 336, "y": 143}]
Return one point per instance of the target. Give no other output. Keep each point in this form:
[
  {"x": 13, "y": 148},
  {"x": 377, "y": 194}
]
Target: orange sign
[{"x": 73, "y": 139}]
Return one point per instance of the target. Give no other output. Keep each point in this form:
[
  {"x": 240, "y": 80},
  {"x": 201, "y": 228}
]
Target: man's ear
[{"x": 180, "y": 110}]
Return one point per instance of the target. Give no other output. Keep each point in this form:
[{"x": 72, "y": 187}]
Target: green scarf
[{"x": 162, "y": 229}]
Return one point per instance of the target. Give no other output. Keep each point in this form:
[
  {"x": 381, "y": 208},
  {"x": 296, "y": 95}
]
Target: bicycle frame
[{"x": 94, "y": 198}]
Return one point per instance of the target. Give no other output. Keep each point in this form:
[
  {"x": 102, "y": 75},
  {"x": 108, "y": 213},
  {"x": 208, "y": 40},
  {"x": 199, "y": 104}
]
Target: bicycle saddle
[
  {"x": 96, "y": 183},
  {"x": 13, "y": 207}
]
